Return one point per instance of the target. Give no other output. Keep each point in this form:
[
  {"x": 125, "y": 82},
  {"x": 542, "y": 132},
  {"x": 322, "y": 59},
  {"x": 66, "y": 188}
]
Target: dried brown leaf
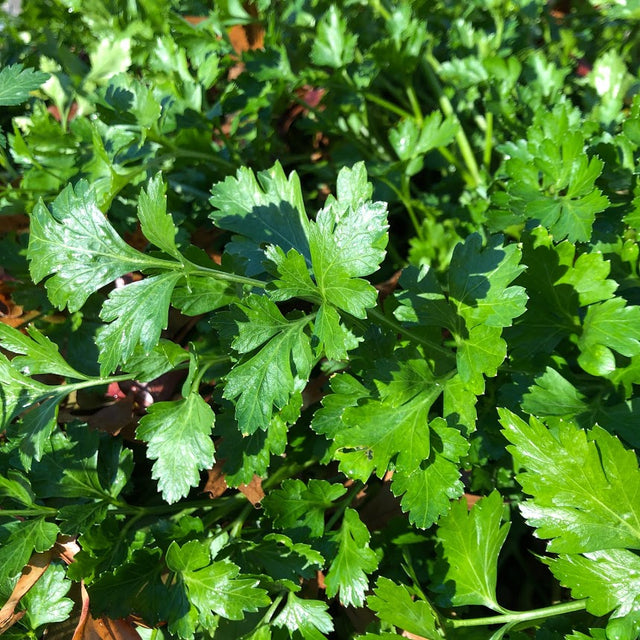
[{"x": 38, "y": 564}]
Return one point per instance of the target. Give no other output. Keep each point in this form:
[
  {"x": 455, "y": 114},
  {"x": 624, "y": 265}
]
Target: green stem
[
  {"x": 407, "y": 333},
  {"x": 389, "y": 106},
  {"x": 94, "y": 382},
  {"x": 229, "y": 277},
  {"x": 266, "y": 619},
  {"x": 38, "y": 511},
  {"x": 408, "y": 567},
  {"x": 413, "y": 101},
  {"x": 343, "y": 504},
  {"x": 377, "y": 6},
  {"x": 165, "y": 508},
  {"x": 286, "y": 471},
  {"x": 429, "y": 63},
  {"x": 179, "y": 152},
  {"x": 488, "y": 141},
  {"x": 235, "y": 527},
  {"x": 406, "y": 200},
  {"x": 520, "y": 616}
]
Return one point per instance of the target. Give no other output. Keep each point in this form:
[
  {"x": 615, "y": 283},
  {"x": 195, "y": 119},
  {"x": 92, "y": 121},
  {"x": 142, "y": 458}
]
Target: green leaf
[
  {"x": 156, "y": 224},
  {"x": 584, "y": 485},
  {"x": 16, "y": 83},
  {"x": 281, "y": 367},
  {"x": 336, "y": 339},
  {"x": 410, "y": 142},
  {"x": 18, "y": 391},
  {"x": 16, "y": 486},
  {"x": 334, "y": 46},
  {"x": 394, "y": 605},
  {"x": 78, "y": 518},
  {"x": 248, "y": 455},
  {"x": 137, "y": 313},
  {"x": 610, "y": 325},
  {"x": 480, "y": 354},
  {"x": 587, "y": 275},
  {"x": 422, "y": 301},
  {"x": 294, "y": 279},
  {"x": 45, "y": 602},
  {"x": 146, "y": 366},
  {"x": 347, "y": 575},
  {"x": 377, "y": 432},
  {"x": 346, "y": 392},
  {"x": 479, "y": 279},
  {"x": 611, "y": 80},
  {"x": 82, "y": 463},
  {"x": 201, "y": 294},
  {"x": 347, "y": 242},
  {"x": 553, "y": 180},
  {"x": 37, "y": 425},
  {"x": 75, "y": 245},
  {"x": 267, "y": 210},
  {"x": 37, "y": 354},
  {"x": 296, "y": 504},
  {"x": 471, "y": 542},
  {"x": 429, "y": 490},
  {"x": 309, "y": 617},
  {"x": 553, "y": 395},
  {"x": 23, "y": 539},
  {"x": 610, "y": 579},
  {"x": 179, "y": 440},
  {"x": 138, "y": 583},
  {"x": 215, "y": 587}
]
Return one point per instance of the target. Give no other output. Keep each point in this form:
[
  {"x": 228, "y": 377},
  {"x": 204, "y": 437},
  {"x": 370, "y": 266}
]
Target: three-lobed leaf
[
  {"x": 393, "y": 604},
  {"x": 347, "y": 576},
  {"x": 471, "y": 542},
  {"x": 584, "y": 485},
  {"x": 178, "y": 434},
  {"x": 75, "y": 247}
]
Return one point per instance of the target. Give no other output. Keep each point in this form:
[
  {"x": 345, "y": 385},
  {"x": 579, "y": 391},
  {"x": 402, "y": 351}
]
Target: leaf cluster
[{"x": 326, "y": 322}]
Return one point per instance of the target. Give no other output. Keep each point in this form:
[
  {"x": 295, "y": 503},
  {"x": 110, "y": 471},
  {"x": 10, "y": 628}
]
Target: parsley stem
[
  {"x": 94, "y": 382},
  {"x": 389, "y": 106},
  {"x": 230, "y": 277},
  {"x": 488, "y": 141},
  {"x": 429, "y": 64},
  {"x": 406, "y": 200},
  {"x": 343, "y": 504},
  {"x": 38, "y": 511},
  {"x": 407, "y": 333},
  {"x": 413, "y": 100},
  {"x": 520, "y": 616}
]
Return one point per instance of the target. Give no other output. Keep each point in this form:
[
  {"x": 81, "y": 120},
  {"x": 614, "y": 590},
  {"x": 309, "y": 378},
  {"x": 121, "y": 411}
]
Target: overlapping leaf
[
  {"x": 268, "y": 209},
  {"x": 20, "y": 540},
  {"x": 36, "y": 353},
  {"x": 136, "y": 314},
  {"x": 427, "y": 492},
  {"x": 609, "y": 326}
]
